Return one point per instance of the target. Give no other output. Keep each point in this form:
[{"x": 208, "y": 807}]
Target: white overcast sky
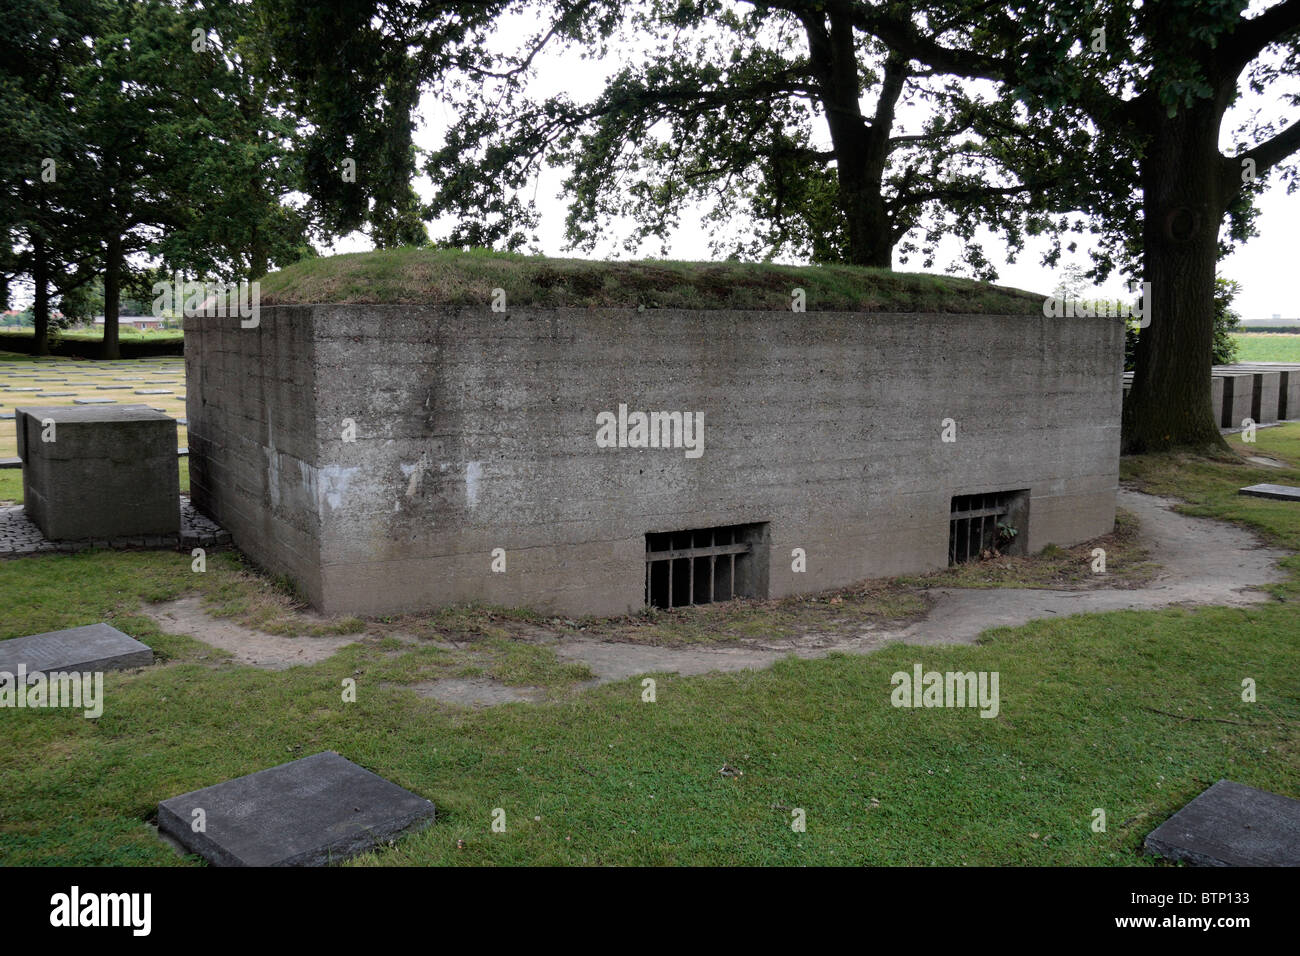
[{"x": 1265, "y": 266}]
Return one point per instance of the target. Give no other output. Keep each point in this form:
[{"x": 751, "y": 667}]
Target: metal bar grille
[
  {"x": 973, "y": 525},
  {"x": 673, "y": 578}
]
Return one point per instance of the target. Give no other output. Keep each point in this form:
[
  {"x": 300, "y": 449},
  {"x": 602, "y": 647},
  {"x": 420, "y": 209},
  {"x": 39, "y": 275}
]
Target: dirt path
[
  {"x": 1202, "y": 562},
  {"x": 244, "y": 644}
]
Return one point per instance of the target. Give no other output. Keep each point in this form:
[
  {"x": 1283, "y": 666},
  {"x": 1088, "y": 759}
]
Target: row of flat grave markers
[
  {"x": 73, "y": 380},
  {"x": 309, "y": 812}
]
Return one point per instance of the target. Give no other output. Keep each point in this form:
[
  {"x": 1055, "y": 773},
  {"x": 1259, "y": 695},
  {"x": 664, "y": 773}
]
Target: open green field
[
  {"x": 97, "y": 335},
  {"x": 1267, "y": 347},
  {"x": 1133, "y": 712}
]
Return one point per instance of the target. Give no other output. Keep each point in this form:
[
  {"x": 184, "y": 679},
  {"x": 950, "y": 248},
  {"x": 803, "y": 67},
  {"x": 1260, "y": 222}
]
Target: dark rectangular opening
[
  {"x": 1229, "y": 388},
  {"x": 704, "y": 565},
  {"x": 973, "y": 524}
]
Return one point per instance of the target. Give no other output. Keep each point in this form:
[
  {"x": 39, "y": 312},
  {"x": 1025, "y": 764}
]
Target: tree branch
[
  {"x": 1254, "y": 34},
  {"x": 1266, "y": 155}
]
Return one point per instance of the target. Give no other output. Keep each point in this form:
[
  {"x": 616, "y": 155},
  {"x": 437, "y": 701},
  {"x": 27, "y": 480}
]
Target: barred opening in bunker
[
  {"x": 987, "y": 522},
  {"x": 703, "y": 565}
]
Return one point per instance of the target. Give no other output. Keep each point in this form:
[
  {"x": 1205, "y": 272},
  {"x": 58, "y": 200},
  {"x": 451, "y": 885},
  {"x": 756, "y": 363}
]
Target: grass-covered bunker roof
[{"x": 454, "y": 278}]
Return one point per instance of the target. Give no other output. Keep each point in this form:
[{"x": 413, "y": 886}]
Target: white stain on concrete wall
[
  {"x": 414, "y": 474},
  {"x": 273, "y": 475},
  {"x": 327, "y": 485},
  {"x": 473, "y": 476}
]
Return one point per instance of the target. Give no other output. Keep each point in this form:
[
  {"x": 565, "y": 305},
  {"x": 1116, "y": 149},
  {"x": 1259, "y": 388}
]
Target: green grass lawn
[
  {"x": 1132, "y": 712},
  {"x": 1267, "y": 347}
]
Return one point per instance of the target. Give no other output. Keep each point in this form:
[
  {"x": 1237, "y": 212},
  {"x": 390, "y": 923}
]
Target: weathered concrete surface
[
  {"x": 1278, "y": 492},
  {"x": 1238, "y": 396},
  {"x": 311, "y": 812},
  {"x": 476, "y": 430},
  {"x": 107, "y": 473},
  {"x": 1231, "y": 825},
  {"x": 95, "y": 647}
]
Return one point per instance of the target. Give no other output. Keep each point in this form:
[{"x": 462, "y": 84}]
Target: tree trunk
[
  {"x": 257, "y": 257},
  {"x": 41, "y": 303},
  {"x": 870, "y": 243},
  {"x": 1169, "y": 404},
  {"x": 860, "y": 147},
  {"x": 112, "y": 296}
]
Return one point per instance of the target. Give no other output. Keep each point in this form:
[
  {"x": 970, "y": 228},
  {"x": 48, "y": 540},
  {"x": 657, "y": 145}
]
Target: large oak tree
[{"x": 1154, "y": 95}]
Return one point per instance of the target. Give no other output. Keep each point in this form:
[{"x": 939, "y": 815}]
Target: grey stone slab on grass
[
  {"x": 1231, "y": 825},
  {"x": 95, "y": 401},
  {"x": 311, "y": 812},
  {"x": 110, "y": 388},
  {"x": 1277, "y": 492},
  {"x": 95, "y": 647},
  {"x": 55, "y": 394},
  {"x": 154, "y": 391}
]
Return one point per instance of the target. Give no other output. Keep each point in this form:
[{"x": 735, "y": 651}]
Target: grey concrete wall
[
  {"x": 250, "y": 404},
  {"x": 476, "y": 430},
  {"x": 109, "y": 471}
]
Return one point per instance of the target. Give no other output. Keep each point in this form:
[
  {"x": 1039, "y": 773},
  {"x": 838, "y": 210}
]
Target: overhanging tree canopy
[{"x": 1155, "y": 93}]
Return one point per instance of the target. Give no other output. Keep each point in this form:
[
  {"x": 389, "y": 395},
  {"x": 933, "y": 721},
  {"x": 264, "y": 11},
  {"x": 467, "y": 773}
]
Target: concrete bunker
[{"x": 423, "y": 450}]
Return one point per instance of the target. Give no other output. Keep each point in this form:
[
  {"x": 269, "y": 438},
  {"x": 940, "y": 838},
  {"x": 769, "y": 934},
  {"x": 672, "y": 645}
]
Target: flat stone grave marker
[
  {"x": 95, "y": 401},
  {"x": 1276, "y": 492},
  {"x": 310, "y": 812},
  {"x": 23, "y": 388},
  {"x": 6, "y": 415},
  {"x": 95, "y": 647},
  {"x": 1231, "y": 825},
  {"x": 55, "y": 394},
  {"x": 154, "y": 391},
  {"x": 110, "y": 388}
]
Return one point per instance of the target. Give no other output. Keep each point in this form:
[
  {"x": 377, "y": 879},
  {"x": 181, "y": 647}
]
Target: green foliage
[
  {"x": 729, "y": 110},
  {"x": 1227, "y": 323},
  {"x": 181, "y": 151},
  {"x": 357, "y": 70}
]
